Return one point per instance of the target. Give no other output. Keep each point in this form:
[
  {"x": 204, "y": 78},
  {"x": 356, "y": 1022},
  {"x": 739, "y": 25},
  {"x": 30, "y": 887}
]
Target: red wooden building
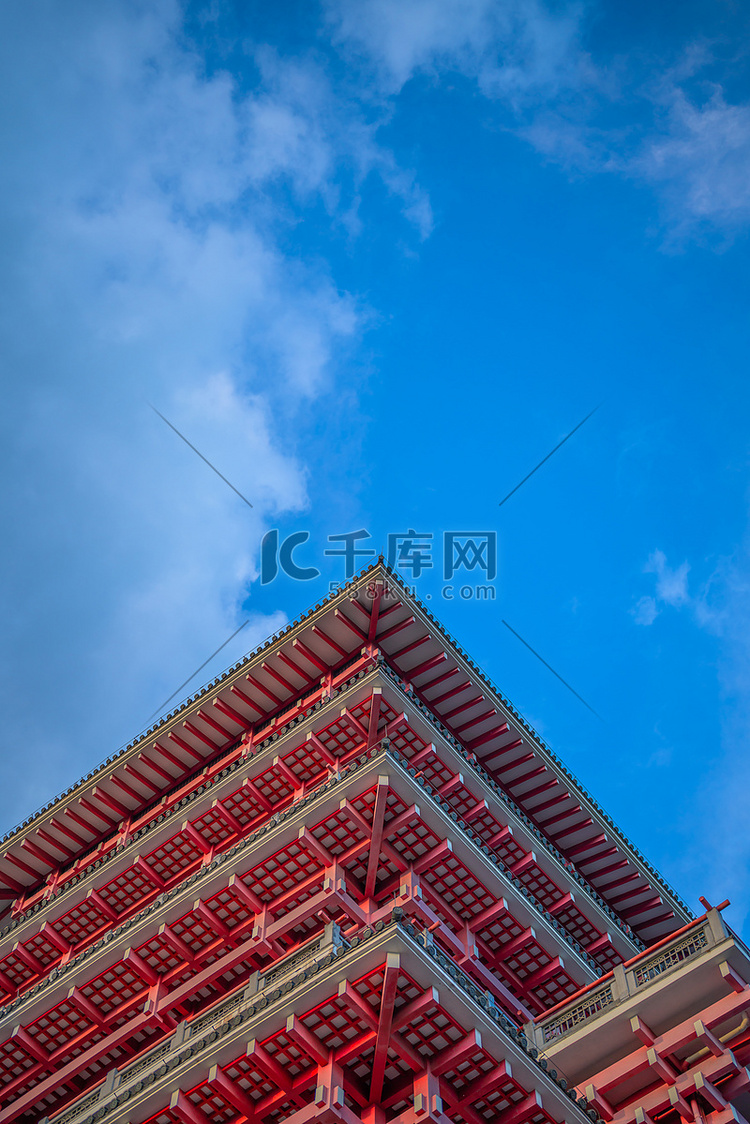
[{"x": 347, "y": 882}]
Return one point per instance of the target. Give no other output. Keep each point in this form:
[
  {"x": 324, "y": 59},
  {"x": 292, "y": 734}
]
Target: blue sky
[{"x": 375, "y": 260}]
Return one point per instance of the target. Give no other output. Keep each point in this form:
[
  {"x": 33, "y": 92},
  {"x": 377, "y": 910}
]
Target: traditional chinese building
[{"x": 347, "y": 882}]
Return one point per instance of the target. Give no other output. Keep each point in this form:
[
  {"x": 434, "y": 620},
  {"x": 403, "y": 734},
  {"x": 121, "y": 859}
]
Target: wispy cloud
[
  {"x": 700, "y": 159},
  {"x": 512, "y": 50},
  {"x": 720, "y": 606},
  {"x": 591, "y": 114}
]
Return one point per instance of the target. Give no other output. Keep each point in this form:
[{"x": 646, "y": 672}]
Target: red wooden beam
[
  {"x": 394, "y": 629},
  {"x": 311, "y": 657},
  {"x": 349, "y": 624},
  {"x": 378, "y": 816},
  {"x": 329, "y": 641}
]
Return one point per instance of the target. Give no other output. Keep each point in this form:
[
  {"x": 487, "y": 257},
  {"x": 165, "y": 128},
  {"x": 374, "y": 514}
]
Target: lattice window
[
  {"x": 214, "y": 827},
  {"x": 114, "y": 988},
  {"x": 459, "y": 888},
  {"x": 279, "y": 873},
  {"x": 501, "y": 1098},
  {"x": 128, "y": 890},
  {"x": 81, "y": 922},
  {"x": 174, "y": 856}
]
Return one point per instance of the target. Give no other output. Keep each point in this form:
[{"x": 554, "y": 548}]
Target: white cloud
[
  {"x": 646, "y": 611},
  {"x": 701, "y": 159},
  {"x": 671, "y": 585},
  {"x": 139, "y": 216},
  {"x": 530, "y": 57},
  {"x": 511, "y": 49},
  {"x": 721, "y": 607}
]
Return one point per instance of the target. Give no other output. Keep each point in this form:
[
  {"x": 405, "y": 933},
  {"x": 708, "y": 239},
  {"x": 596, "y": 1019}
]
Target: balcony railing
[{"x": 628, "y": 979}]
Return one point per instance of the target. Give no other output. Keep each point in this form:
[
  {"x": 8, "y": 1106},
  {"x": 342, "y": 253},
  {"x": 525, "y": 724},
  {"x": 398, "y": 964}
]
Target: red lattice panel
[
  {"x": 363, "y": 710},
  {"x": 334, "y": 1023},
  {"x": 128, "y": 890},
  {"x": 287, "y": 1053},
  {"x": 579, "y": 927},
  {"x": 458, "y": 888},
  {"x": 607, "y": 958},
  {"x": 435, "y": 772},
  {"x": 555, "y": 990},
  {"x": 229, "y": 908},
  {"x": 338, "y": 833},
  {"x": 174, "y": 856},
  {"x": 542, "y": 887},
  {"x": 290, "y": 901},
  {"x": 341, "y": 737},
  {"x": 306, "y": 763},
  {"x": 251, "y": 1078},
  {"x": 81, "y": 922},
  {"x": 214, "y": 1107},
  {"x": 16, "y": 969},
  {"x": 58, "y": 1026},
  {"x": 195, "y": 930},
  {"x": 413, "y": 840},
  {"x": 274, "y": 786},
  {"x": 114, "y": 987},
  {"x": 502, "y": 930},
  {"x": 405, "y": 741},
  {"x": 42, "y": 950},
  {"x": 279, "y": 873},
  {"x": 461, "y": 800},
  {"x": 428, "y": 1034},
  {"x": 160, "y": 955},
  {"x": 527, "y": 960},
  {"x": 214, "y": 827},
  {"x": 478, "y": 1065},
  {"x": 243, "y": 806},
  {"x": 14, "y": 1061}
]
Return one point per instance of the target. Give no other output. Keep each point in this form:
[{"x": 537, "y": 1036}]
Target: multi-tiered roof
[{"x": 350, "y": 828}]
